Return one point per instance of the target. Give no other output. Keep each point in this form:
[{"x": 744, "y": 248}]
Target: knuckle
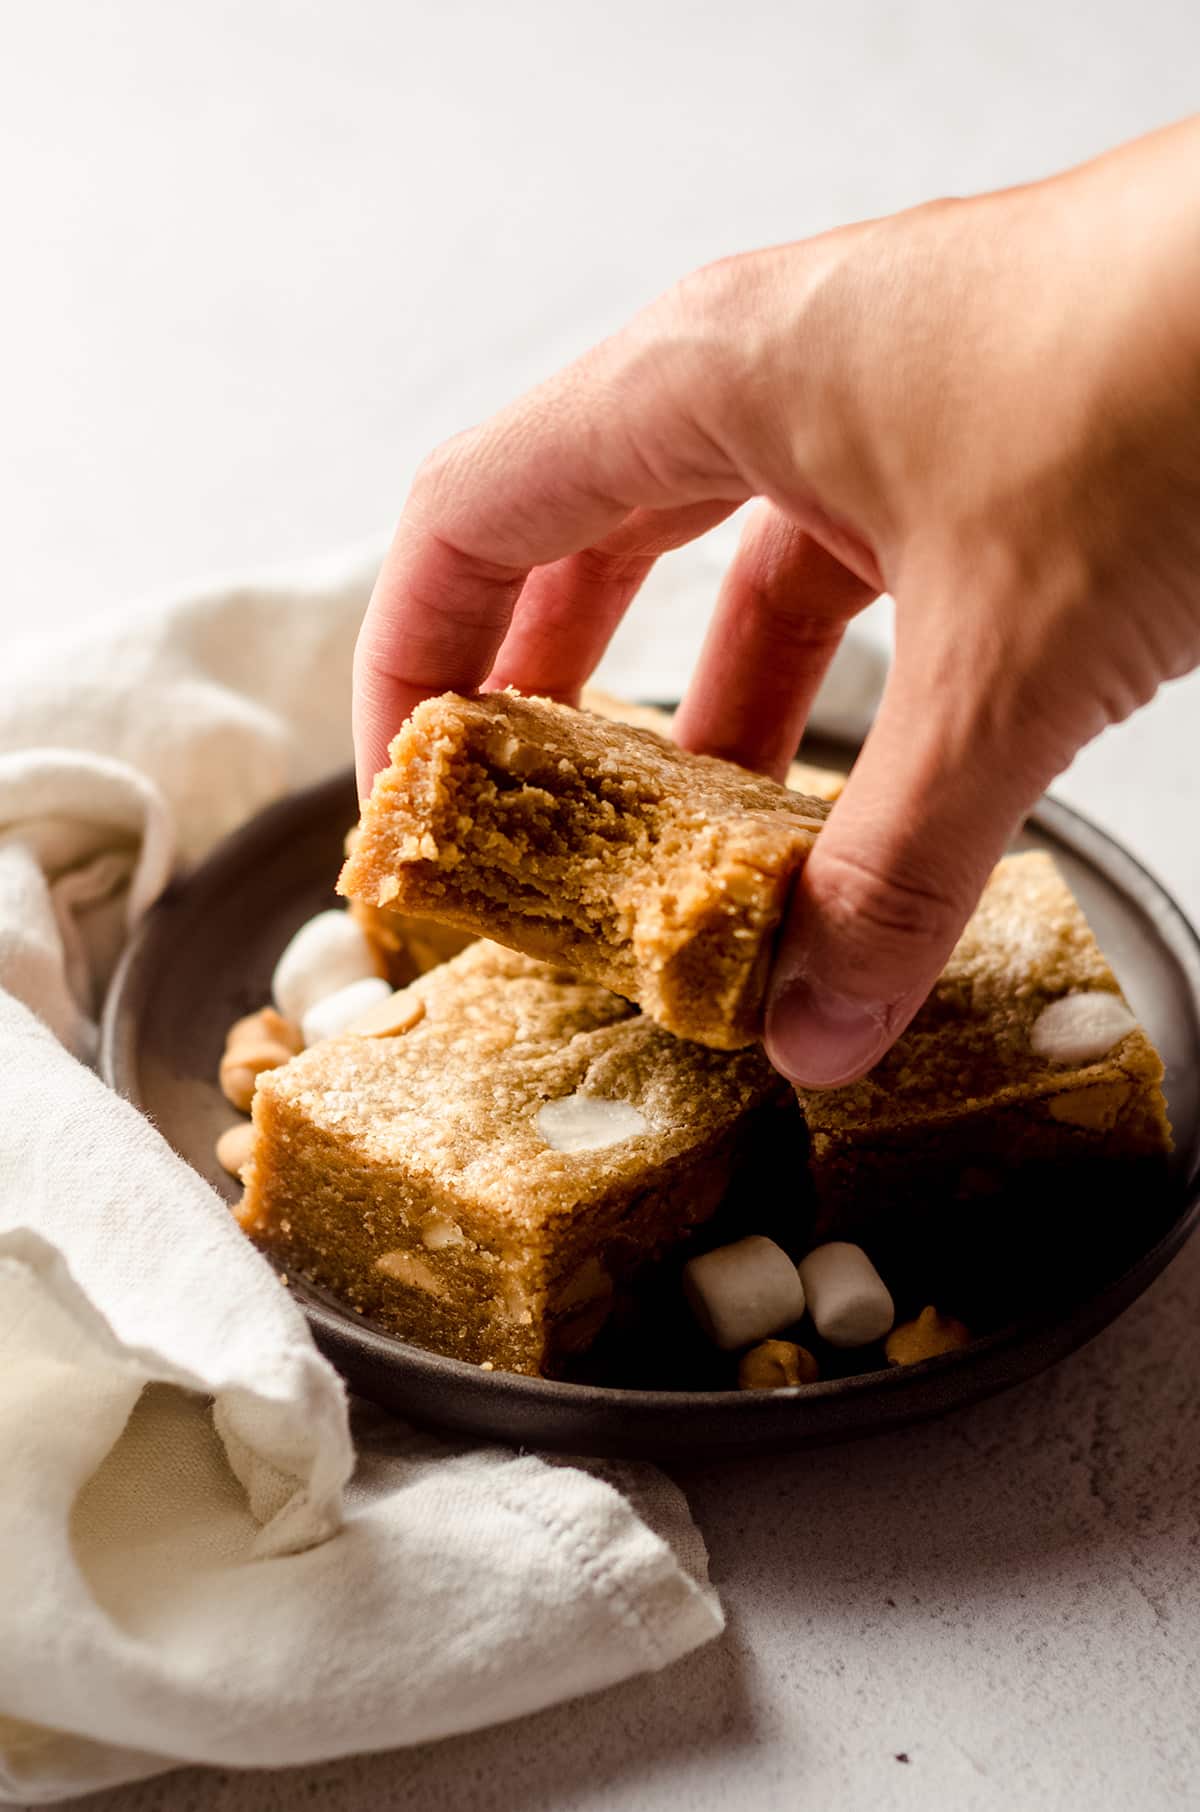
[
  {"x": 707, "y": 319},
  {"x": 711, "y": 291},
  {"x": 439, "y": 463},
  {"x": 784, "y": 617},
  {"x": 601, "y": 567},
  {"x": 459, "y": 590},
  {"x": 889, "y": 908}
]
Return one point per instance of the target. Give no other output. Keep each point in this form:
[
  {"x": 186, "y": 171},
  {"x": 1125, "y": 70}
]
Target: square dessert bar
[
  {"x": 409, "y": 946},
  {"x": 1024, "y": 1063},
  {"x": 487, "y": 1181},
  {"x": 660, "y": 874}
]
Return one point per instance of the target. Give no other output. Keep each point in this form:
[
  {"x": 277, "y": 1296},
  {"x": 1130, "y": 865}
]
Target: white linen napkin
[{"x": 194, "y": 1566}]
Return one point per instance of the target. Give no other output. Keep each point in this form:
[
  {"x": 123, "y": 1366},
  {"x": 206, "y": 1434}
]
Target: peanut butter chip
[
  {"x": 243, "y": 1064},
  {"x": 265, "y": 1027},
  {"x": 235, "y": 1146},
  {"x": 400, "y": 1012},
  {"x": 776, "y": 1365},
  {"x": 1096, "y": 1108},
  {"x": 930, "y": 1335},
  {"x": 261, "y": 1041}
]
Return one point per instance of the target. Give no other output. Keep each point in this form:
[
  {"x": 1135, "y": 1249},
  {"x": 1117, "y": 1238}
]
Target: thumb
[{"x": 933, "y": 799}]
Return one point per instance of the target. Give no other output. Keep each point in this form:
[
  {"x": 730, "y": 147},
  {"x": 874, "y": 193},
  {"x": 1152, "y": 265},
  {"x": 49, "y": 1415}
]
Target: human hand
[{"x": 990, "y": 408}]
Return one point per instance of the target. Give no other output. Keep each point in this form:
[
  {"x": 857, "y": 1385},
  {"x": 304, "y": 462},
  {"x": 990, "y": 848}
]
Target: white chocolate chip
[
  {"x": 508, "y": 752},
  {"x": 849, "y": 1302},
  {"x": 438, "y": 1231},
  {"x": 408, "y": 1269},
  {"x": 589, "y": 1123},
  {"x": 326, "y": 954},
  {"x": 513, "y": 1303},
  {"x": 1079, "y": 1028},
  {"x": 338, "y": 1012},
  {"x": 741, "y": 1293}
]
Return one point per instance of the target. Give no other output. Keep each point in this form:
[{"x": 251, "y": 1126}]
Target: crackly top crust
[
  {"x": 455, "y": 1098},
  {"x": 802, "y": 776},
  {"x": 409, "y": 945},
  {"x": 1027, "y": 944},
  {"x": 659, "y": 873},
  {"x": 639, "y": 766}
]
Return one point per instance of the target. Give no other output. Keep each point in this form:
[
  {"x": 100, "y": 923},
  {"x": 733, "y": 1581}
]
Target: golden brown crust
[
  {"x": 660, "y": 874},
  {"x": 802, "y": 776}
]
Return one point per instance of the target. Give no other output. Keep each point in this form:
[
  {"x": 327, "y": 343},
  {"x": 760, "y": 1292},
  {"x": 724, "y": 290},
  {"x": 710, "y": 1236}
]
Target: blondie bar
[
  {"x": 1024, "y": 1064},
  {"x": 488, "y": 1181},
  {"x": 660, "y": 874},
  {"x": 410, "y": 946}
]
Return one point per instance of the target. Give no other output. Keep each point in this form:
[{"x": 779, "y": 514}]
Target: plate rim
[{"x": 339, "y": 1334}]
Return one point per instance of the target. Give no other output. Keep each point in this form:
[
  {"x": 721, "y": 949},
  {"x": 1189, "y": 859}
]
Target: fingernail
[{"x": 819, "y": 1038}]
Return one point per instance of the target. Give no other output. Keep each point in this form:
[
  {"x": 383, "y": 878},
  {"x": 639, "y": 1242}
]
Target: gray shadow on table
[{"x": 1097, "y": 1459}]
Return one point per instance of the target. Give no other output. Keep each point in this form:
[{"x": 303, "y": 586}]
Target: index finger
[{"x": 547, "y": 477}]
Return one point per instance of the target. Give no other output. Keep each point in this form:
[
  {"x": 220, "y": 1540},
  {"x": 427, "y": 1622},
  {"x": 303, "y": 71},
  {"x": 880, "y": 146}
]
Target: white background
[{"x": 258, "y": 257}]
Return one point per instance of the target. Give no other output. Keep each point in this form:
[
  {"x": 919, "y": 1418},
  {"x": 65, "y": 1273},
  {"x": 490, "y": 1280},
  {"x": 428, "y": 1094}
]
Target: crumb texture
[
  {"x": 660, "y": 874},
  {"x": 413, "y": 1176}
]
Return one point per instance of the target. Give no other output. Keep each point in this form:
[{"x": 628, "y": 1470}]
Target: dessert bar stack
[{"x": 549, "y": 1110}]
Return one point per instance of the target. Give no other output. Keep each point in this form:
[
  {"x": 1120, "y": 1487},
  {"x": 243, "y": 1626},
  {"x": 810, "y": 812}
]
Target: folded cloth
[{"x": 197, "y": 1561}]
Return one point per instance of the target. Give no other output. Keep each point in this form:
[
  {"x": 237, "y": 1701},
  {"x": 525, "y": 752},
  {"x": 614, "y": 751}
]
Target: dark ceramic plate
[{"x": 204, "y": 956}]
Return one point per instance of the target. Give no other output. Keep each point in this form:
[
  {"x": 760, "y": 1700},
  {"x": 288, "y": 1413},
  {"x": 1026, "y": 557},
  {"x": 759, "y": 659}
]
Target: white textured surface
[
  {"x": 161, "y": 1572},
  {"x": 260, "y": 256}
]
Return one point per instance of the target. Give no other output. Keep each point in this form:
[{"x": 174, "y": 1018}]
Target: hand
[{"x": 990, "y": 408}]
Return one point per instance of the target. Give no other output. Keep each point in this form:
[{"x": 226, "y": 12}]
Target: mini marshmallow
[
  {"x": 849, "y": 1302},
  {"x": 589, "y": 1123},
  {"x": 741, "y": 1293},
  {"x": 335, "y": 1013},
  {"x": 1079, "y": 1028},
  {"x": 326, "y": 954}
]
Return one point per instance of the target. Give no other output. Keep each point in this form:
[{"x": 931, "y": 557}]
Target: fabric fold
[{"x": 198, "y": 1563}]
